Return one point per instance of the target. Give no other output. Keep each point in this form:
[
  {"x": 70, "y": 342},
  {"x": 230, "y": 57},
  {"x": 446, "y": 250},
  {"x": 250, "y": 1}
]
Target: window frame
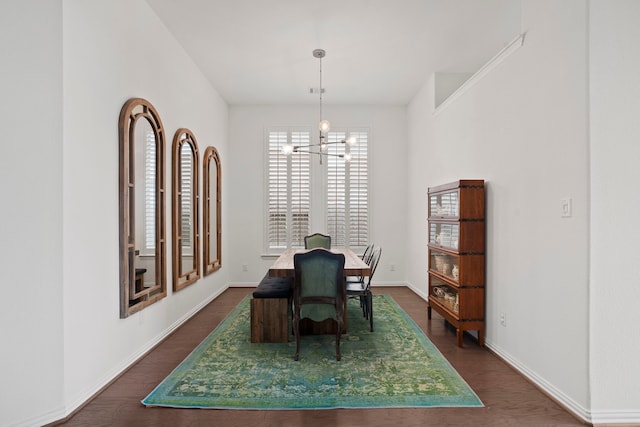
[
  {"x": 338, "y": 148},
  {"x": 318, "y": 216},
  {"x": 289, "y": 221}
]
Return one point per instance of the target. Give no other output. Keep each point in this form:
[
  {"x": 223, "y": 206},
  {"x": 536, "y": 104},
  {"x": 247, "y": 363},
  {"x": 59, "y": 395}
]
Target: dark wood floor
[{"x": 509, "y": 399}]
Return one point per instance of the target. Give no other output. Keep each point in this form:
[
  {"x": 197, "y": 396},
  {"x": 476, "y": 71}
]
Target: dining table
[{"x": 353, "y": 266}]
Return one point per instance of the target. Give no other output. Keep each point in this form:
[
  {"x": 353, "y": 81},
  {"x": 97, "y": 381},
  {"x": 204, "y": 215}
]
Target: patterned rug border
[{"x": 470, "y": 400}]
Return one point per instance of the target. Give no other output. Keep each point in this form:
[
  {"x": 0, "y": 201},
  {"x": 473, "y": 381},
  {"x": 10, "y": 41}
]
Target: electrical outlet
[
  {"x": 392, "y": 267},
  {"x": 245, "y": 267},
  {"x": 503, "y": 319}
]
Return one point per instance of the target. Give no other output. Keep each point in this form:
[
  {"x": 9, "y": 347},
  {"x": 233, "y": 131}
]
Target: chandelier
[{"x": 323, "y": 127}]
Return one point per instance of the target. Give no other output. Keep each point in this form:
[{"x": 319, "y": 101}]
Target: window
[
  {"x": 289, "y": 179},
  {"x": 347, "y": 195},
  {"x": 342, "y": 208}
]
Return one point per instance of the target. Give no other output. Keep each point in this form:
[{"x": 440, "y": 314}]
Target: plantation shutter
[
  {"x": 288, "y": 183},
  {"x": 300, "y": 191},
  {"x": 347, "y": 195},
  {"x": 277, "y": 192},
  {"x": 336, "y": 189},
  {"x": 358, "y": 170}
]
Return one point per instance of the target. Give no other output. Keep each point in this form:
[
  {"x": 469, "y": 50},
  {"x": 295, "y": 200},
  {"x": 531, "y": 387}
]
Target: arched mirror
[
  {"x": 142, "y": 219},
  {"x": 212, "y": 198},
  {"x": 186, "y": 196}
]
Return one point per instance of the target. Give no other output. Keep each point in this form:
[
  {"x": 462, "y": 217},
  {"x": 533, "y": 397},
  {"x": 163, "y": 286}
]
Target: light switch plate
[{"x": 565, "y": 203}]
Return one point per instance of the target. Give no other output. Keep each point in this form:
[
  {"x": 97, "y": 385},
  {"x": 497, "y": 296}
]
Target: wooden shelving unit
[{"x": 457, "y": 255}]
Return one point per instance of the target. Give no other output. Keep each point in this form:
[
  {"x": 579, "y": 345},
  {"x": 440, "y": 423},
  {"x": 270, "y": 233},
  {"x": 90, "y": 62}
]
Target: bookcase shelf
[{"x": 457, "y": 255}]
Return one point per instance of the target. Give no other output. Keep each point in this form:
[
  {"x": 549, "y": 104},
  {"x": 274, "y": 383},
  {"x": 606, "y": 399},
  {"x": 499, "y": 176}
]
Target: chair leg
[
  {"x": 296, "y": 331},
  {"x": 338, "y": 334},
  {"x": 365, "y": 306},
  {"x": 290, "y": 313},
  {"x": 370, "y": 301}
]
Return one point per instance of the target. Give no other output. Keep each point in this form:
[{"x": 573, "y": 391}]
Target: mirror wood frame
[
  {"x": 134, "y": 296},
  {"x": 181, "y": 279},
  {"x": 212, "y": 258}
]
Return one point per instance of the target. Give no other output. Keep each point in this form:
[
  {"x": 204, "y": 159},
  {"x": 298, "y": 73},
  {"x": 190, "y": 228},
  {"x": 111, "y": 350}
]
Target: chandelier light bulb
[
  {"x": 324, "y": 125},
  {"x": 352, "y": 140},
  {"x": 287, "y": 149}
]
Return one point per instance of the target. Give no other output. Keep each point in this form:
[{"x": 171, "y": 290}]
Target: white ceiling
[{"x": 378, "y": 51}]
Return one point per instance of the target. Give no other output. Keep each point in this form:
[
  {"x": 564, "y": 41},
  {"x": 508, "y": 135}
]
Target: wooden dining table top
[{"x": 353, "y": 264}]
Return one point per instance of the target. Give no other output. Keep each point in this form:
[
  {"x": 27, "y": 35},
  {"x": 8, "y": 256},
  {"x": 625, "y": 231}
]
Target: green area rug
[{"x": 394, "y": 366}]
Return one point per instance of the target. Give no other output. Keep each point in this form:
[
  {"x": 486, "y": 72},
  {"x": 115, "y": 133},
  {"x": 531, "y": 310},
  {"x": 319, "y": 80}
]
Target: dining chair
[
  {"x": 317, "y": 240},
  {"x": 367, "y": 252},
  {"x": 318, "y": 291},
  {"x": 366, "y": 257},
  {"x": 362, "y": 289}
]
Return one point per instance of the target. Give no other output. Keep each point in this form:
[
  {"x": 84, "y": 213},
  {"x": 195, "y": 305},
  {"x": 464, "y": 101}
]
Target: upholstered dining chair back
[
  {"x": 317, "y": 240},
  {"x": 318, "y": 291}
]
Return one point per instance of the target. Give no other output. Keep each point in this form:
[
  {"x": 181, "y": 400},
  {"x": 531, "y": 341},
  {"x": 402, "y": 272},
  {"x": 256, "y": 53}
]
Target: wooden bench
[{"x": 270, "y": 308}]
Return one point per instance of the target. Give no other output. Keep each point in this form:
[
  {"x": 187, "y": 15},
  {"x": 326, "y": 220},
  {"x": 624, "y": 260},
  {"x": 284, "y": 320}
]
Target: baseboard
[
  {"x": 46, "y": 419},
  {"x": 618, "y": 418},
  {"x": 420, "y": 293},
  {"x": 596, "y": 418},
  {"x": 376, "y": 284},
  {"x": 543, "y": 385},
  {"x": 85, "y": 397},
  {"x": 243, "y": 285}
]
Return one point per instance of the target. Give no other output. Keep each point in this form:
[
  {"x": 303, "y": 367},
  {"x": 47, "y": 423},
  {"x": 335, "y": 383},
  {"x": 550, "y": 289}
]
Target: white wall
[
  {"x": 247, "y": 125},
  {"x": 31, "y": 216},
  {"x": 115, "y": 50},
  {"x": 615, "y": 201},
  {"x": 522, "y": 128},
  {"x": 571, "y": 315}
]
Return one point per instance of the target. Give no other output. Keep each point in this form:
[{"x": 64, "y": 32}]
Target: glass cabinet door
[
  {"x": 444, "y": 204},
  {"x": 444, "y": 234},
  {"x": 444, "y": 264},
  {"x": 444, "y": 294}
]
